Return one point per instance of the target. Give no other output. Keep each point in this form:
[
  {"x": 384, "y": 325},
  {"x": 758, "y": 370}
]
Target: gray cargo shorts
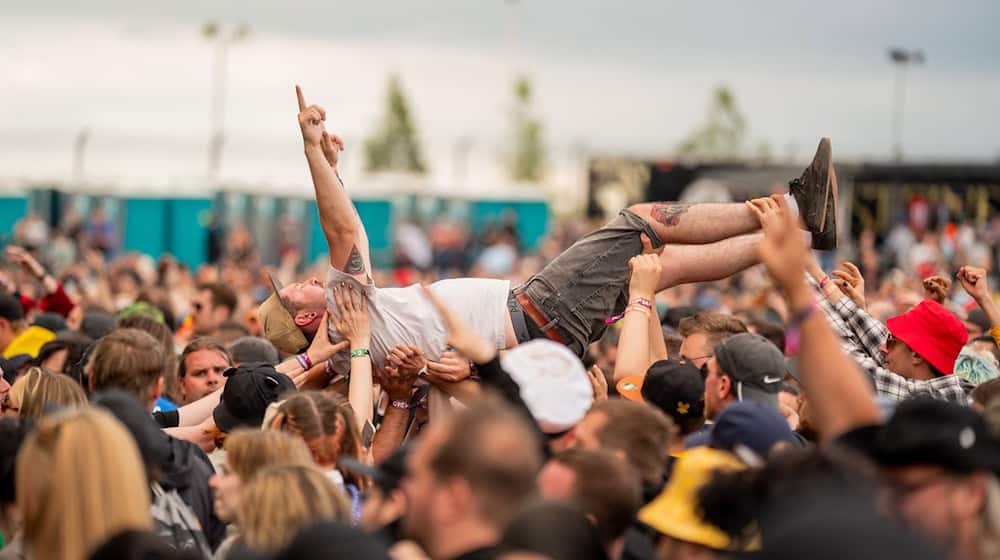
[{"x": 589, "y": 282}]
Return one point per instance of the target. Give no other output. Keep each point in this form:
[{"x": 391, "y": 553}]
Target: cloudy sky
[{"x": 630, "y": 77}]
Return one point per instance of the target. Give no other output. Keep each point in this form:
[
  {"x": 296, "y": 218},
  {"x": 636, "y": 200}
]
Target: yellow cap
[
  {"x": 279, "y": 325},
  {"x": 674, "y": 512},
  {"x": 29, "y": 342}
]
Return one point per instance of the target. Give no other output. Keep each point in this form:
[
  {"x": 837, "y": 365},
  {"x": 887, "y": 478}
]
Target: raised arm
[
  {"x": 974, "y": 282},
  {"x": 354, "y": 327},
  {"x": 634, "y": 341},
  {"x": 837, "y": 392},
  {"x": 345, "y": 235}
]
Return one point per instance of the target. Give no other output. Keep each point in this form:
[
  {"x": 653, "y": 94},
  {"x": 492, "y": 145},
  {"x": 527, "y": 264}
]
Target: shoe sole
[
  {"x": 832, "y": 191},
  {"x": 822, "y": 163}
]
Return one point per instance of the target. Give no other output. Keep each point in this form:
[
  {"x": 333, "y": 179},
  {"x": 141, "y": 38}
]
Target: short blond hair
[
  {"x": 80, "y": 481},
  {"x": 279, "y": 502}
]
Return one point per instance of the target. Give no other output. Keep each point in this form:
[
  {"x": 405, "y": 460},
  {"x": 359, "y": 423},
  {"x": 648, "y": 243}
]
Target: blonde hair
[
  {"x": 248, "y": 451},
  {"x": 40, "y": 387},
  {"x": 80, "y": 480},
  {"x": 280, "y": 501}
]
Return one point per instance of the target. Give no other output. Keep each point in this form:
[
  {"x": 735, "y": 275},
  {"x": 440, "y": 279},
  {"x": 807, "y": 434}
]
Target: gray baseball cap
[{"x": 756, "y": 366}]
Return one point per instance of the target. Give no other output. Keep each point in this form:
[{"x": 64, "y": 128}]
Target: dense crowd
[{"x": 684, "y": 382}]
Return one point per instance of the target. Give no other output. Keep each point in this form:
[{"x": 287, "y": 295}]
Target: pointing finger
[{"x": 302, "y": 99}]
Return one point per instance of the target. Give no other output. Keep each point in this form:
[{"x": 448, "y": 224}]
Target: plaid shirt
[{"x": 862, "y": 337}]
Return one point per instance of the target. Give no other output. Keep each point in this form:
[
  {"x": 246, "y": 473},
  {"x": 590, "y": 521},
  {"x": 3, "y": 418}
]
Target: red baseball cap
[{"x": 931, "y": 331}]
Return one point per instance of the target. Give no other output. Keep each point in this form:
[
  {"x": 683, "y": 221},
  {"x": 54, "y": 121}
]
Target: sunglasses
[{"x": 703, "y": 368}]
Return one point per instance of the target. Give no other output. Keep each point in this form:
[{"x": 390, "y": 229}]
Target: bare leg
[
  {"x": 695, "y": 224},
  {"x": 683, "y": 264}
]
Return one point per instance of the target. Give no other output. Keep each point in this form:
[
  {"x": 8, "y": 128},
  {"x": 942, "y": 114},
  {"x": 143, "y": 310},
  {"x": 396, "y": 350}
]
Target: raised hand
[
  {"x": 403, "y": 366},
  {"x": 353, "y": 325},
  {"x": 311, "y": 120},
  {"x": 936, "y": 288},
  {"x": 25, "y": 260},
  {"x": 766, "y": 209},
  {"x": 332, "y": 146},
  {"x": 598, "y": 383},
  {"x": 973, "y": 280},
  {"x": 851, "y": 283},
  {"x": 646, "y": 269},
  {"x": 451, "y": 368},
  {"x": 783, "y": 250},
  {"x": 461, "y": 337},
  {"x": 321, "y": 348}
]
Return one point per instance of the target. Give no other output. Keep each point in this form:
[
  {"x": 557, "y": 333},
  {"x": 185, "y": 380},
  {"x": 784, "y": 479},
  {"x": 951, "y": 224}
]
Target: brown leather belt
[{"x": 539, "y": 318}]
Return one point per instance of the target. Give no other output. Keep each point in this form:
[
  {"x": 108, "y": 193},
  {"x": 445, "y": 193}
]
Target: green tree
[
  {"x": 724, "y": 133},
  {"x": 394, "y": 145},
  {"x": 527, "y": 163}
]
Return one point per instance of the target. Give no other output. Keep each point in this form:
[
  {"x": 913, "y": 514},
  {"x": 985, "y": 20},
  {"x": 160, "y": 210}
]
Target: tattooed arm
[{"x": 345, "y": 235}]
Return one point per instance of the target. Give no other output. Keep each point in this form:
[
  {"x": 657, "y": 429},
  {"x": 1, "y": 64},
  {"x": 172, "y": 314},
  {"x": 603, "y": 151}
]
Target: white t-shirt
[{"x": 405, "y": 316}]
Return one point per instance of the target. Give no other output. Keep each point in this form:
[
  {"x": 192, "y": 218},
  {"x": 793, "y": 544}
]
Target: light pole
[
  {"x": 901, "y": 58},
  {"x": 222, "y": 38},
  {"x": 79, "y": 155}
]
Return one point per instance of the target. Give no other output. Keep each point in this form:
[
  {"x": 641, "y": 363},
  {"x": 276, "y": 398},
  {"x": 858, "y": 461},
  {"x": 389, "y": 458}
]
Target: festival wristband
[
  {"x": 401, "y": 404},
  {"x": 360, "y": 353},
  {"x": 304, "y": 360},
  {"x": 643, "y": 302}
]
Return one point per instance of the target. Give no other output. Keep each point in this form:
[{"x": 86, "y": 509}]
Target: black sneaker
[{"x": 815, "y": 193}]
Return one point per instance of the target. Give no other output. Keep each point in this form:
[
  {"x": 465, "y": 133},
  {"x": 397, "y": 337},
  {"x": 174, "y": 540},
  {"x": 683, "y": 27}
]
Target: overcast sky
[{"x": 628, "y": 77}]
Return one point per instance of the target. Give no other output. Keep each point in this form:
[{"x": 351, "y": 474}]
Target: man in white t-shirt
[{"x": 568, "y": 301}]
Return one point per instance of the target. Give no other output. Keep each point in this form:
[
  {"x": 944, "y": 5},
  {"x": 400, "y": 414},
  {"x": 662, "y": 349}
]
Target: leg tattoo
[{"x": 668, "y": 214}]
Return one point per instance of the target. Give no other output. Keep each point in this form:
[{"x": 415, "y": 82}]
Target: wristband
[
  {"x": 643, "y": 302},
  {"x": 637, "y": 308},
  {"x": 304, "y": 360},
  {"x": 401, "y": 404},
  {"x": 824, "y": 282},
  {"x": 801, "y": 316},
  {"x": 360, "y": 353}
]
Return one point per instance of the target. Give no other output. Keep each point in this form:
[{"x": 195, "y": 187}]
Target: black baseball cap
[
  {"x": 674, "y": 386},
  {"x": 9, "y": 366},
  {"x": 10, "y": 308},
  {"x": 925, "y": 431},
  {"x": 249, "y": 389},
  {"x": 386, "y": 476},
  {"x": 755, "y": 364}
]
